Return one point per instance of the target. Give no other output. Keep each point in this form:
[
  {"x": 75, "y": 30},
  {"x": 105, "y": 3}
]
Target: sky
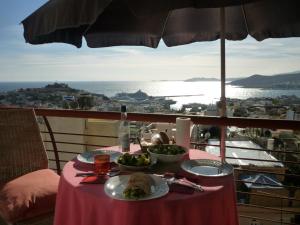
[{"x": 20, "y": 61}]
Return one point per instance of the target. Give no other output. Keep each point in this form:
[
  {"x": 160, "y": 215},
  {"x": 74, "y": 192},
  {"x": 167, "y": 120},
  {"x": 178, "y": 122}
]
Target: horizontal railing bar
[
  {"x": 263, "y": 160},
  {"x": 273, "y": 185},
  {"x": 171, "y": 118},
  {"x": 245, "y": 148},
  {"x": 266, "y": 207},
  {"x": 61, "y": 160},
  {"x": 259, "y": 171},
  {"x": 269, "y": 196},
  {"x": 85, "y": 135},
  {"x": 264, "y": 219},
  {"x": 51, "y": 150},
  {"x": 72, "y": 143},
  {"x": 291, "y": 162}
]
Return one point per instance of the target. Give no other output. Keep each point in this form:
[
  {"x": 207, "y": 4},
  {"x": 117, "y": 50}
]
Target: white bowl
[{"x": 164, "y": 157}]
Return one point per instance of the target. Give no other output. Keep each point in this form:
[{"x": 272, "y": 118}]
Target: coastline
[{"x": 206, "y": 92}]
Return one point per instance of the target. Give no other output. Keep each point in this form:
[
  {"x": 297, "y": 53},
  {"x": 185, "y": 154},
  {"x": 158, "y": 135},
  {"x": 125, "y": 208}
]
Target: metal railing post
[
  {"x": 53, "y": 144},
  {"x": 223, "y": 74}
]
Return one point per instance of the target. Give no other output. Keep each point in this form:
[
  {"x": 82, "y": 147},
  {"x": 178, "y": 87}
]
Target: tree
[
  {"x": 73, "y": 105},
  {"x": 85, "y": 102},
  {"x": 65, "y": 105},
  {"x": 275, "y": 101},
  {"x": 240, "y": 112}
]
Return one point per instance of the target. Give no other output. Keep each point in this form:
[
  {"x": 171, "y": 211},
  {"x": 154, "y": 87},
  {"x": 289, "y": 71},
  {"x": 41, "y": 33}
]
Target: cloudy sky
[{"x": 60, "y": 62}]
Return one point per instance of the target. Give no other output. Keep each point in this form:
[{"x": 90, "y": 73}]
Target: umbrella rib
[
  {"x": 92, "y": 23},
  {"x": 245, "y": 18},
  {"x": 165, "y": 24}
]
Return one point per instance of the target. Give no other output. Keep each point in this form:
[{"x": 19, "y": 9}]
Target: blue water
[{"x": 207, "y": 92}]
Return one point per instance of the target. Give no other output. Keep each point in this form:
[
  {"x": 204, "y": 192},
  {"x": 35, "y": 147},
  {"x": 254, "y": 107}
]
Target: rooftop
[{"x": 239, "y": 153}]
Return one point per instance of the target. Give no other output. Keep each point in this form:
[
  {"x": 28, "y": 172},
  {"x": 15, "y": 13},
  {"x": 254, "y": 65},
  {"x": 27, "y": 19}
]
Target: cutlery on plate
[
  {"x": 187, "y": 183},
  {"x": 85, "y": 174},
  {"x": 90, "y": 174},
  {"x": 182, "y": 181}
]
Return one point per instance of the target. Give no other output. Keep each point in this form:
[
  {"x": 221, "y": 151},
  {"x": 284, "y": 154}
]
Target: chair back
[{"x": 21, "y": 146}]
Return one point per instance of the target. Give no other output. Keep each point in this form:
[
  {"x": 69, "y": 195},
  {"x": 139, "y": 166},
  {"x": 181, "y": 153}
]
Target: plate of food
[
  {"x": 88, "y": 157},
  {"x": 136, "y": 187},
  {"x": 167, "y": 153},
  {"x": 207, "y": 167},
  {"x": 135, "y": 161}
]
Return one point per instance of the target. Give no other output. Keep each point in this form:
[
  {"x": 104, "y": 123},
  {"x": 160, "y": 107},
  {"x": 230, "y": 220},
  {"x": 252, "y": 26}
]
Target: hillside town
[{"x": 61, "y": 96}]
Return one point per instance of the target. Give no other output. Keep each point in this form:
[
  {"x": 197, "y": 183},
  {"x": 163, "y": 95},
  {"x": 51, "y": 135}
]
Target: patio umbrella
[
  {"x": 106, "y": 23},
  {"x": 145, "y": 22}
]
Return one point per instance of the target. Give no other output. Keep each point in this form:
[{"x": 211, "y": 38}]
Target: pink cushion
[{"x": 28, "y": 196}]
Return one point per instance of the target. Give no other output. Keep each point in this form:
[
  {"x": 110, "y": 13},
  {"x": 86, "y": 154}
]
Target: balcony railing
[{"x": 287, "y": 213}]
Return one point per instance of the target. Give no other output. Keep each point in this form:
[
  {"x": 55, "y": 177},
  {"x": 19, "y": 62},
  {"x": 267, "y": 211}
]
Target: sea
[{"x": 206, "y": 92}]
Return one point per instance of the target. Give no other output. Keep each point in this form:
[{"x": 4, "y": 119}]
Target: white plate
[
  {"x": 88, "y": 157},
  {"x": 115, "y": 186},
  {"x": 207, "y": 167}
]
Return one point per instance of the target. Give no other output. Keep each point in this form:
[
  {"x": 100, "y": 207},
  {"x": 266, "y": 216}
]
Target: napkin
[{"x": 181, "y": 189}]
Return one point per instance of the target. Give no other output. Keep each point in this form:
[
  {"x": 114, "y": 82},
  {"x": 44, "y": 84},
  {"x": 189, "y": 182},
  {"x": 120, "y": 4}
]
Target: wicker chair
[{"x": 24, "y": 168}]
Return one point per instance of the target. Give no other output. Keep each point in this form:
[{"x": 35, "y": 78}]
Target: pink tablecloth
[{"x": 87, "y": 204}]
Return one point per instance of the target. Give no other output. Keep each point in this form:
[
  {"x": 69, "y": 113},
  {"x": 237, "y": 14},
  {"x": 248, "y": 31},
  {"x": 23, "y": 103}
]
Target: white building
[
  {"x": 237, "y": 154},
  {"x": 290, "y": 115}
]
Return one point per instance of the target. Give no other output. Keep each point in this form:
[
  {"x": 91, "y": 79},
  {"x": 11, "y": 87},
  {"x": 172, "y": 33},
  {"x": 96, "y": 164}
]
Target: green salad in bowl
[
  {"x": 134, "y": 161},
  {"x": 167, "y": 153}
]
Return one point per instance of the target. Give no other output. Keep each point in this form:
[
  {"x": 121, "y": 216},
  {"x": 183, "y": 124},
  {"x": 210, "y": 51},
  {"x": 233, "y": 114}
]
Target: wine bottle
[{"x": 124, "y": 131}]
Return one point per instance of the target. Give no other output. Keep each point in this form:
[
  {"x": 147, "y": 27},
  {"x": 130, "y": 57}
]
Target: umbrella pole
[{"x": 223, "y": 73}]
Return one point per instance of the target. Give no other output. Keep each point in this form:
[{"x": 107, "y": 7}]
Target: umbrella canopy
[{"x": 106, "y": 23}]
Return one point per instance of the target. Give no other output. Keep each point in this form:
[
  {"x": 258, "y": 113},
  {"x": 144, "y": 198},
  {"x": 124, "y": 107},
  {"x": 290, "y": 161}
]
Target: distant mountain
[
  {"x": 164, "y": 80},
  {"x": 280, "y": 81},
  {"x": 234, "y": 78},
  {"x": 195, "y": 79},
  {"x": 139, "y": 95}
]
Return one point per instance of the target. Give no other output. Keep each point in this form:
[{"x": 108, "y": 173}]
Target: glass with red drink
[{"x": 102, "y": 164}]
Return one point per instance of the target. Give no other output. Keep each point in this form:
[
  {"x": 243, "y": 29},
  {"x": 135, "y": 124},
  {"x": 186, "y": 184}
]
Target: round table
[{"x": 87, "y": 204}]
